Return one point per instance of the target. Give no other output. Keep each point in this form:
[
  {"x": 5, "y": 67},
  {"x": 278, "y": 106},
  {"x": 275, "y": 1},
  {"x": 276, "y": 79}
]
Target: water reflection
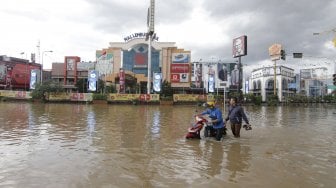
[
  {"x": 214, "y": 154},
  {"x": 155, "y": 130},
  {"x": 238, "y": 158},
  {"x": 91, "y": 122}
]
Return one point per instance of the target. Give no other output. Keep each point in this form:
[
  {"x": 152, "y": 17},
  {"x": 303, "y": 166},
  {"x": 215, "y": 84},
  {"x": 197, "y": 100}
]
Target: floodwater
[{"x": 78, "y": 145}]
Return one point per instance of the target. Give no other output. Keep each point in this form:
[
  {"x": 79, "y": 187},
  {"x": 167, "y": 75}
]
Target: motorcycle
[{"x": 195, "y": 130}]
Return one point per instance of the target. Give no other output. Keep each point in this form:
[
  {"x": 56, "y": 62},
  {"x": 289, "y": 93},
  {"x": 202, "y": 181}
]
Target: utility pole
[
  {"x": 50, "y": 51},
  {"x": 150, "y": 25},
  {"x": 275, "y": 51}
]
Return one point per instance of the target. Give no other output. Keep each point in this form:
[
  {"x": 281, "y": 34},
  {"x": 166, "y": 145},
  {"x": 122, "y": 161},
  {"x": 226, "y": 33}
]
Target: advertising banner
[
  {"x": 145, "y": 97},
  {"x": 15, "y": 94},
  {"x": 3, "y": 73},
  {"x": 92, "y": 79},
  {"x": 104, "y": 62},
  {"x": 123, "y": 97},
  {"x": 179, "y": 78},
  {"x": 59, "y": 97},
  {"x": 315, "y": 73},
  {"x": 157, "y": 82},
  {"x": 305, "y": 74},
  {"x": 211, "y": 83},
  {"x": 121, "y": 81},
  {"x": 70, "y": 64},
  {"x": 81, "y": 97},
  {"x": 239, "y": 46},
  {"x": 150, "y": 97},
  {"x": 197, "y": 73},
  {"x": 175, "y": 78},
  {"x": 33, "y": 78},
  {"x": 179, "y": 68},
  {"x": 180, "y": 73},
  {"x": 113, "y": 97},
  {"x": 223, "y": 76},
  {"x": 188, "y": 98},
  {"x": 180, "y": 57},
  {"x": 275, "y": 51},
  {"x": 247, "y": 86}
]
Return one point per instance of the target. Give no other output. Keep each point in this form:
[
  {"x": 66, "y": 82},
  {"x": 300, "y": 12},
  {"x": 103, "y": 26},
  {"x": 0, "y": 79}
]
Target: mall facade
[{"x": 131, "y": 56}]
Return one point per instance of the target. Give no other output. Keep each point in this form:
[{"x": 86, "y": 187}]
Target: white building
[
  {"x": 261, "y": 82},
  {"x": 313, "y": 81}
]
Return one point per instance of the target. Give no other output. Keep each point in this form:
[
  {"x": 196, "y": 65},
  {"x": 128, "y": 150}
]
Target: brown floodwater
[{"x": 78, "y": 145}]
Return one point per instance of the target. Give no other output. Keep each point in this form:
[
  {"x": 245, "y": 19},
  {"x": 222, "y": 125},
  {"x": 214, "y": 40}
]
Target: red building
[{"x": 15, "y": 73}]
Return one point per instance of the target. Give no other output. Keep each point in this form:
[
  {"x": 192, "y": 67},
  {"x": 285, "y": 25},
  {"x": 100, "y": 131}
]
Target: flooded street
[{"x": 70, "y": 145}]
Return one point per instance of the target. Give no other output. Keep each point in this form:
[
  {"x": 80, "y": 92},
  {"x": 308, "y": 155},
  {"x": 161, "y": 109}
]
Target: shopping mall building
[{"x": 131, "y": 56}]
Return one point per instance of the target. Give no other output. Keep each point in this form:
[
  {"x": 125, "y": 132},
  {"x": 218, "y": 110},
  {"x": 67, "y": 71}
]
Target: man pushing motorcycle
[{"x": 218, "y": 127}]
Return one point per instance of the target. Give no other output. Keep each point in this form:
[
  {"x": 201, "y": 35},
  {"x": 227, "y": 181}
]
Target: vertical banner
[
  {"x": 235, "y": 76},
  {"x": 121, "y": 81},
  {"x": 246, "y": 86},
  {"x": 33, "y": 78},
  {"x": 211, "y": 83},
  {"x": 210, "y": 71},
  {"x": 157, "y": 82},
  {"x": 92, "y": 79},
  {"x": 198, "y": 75}
]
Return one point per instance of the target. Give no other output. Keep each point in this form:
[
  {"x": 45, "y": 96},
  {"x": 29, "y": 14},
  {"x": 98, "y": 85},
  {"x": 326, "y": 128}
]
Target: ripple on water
[{"x": 127, "y": 145}]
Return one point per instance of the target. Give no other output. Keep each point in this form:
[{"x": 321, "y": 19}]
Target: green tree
[
  {"x": 110, "y": 89},
  {"x": 82, "y": 85},
  {"x": 41, "y": 90},
  {"x": 167, "y": 90}
]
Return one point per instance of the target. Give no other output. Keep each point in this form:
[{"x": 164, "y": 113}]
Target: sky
[{"x": 205, "y": 27}]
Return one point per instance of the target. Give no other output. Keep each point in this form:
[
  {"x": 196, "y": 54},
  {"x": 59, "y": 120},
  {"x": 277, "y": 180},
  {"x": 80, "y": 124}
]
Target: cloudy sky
[{"x": 205, "y": 27}]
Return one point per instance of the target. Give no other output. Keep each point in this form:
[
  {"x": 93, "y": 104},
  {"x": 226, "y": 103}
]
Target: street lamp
[{"x": 50, "y": 51}]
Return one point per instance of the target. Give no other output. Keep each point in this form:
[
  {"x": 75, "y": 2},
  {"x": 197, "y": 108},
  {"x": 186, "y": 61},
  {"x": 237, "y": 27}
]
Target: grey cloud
[
  {"x": 115, "y": 17},
  {"x": 290, "y": 23},
  {"x": 107, "y": 15},
  {"x": 174, "y": 11}
]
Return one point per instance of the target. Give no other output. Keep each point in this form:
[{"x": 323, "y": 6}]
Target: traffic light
[
  {"x": 334, "y": 79},
  {"x": 283, "y": 54}
]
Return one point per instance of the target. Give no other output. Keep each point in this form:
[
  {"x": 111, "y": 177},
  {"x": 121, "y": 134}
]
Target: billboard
[
  {"x": 180, "y": 57},
  {"x": 157, "y": 82},
  {"x": 104, "y": 63},
  {"x": 239, "y": 46},
  {"x": 33, "y": 78},
  {"x": 121, "y": 81},
  {"x": 210, "y": 78},
  {"x": 3, "y": 73},
  {"x": 274, "y": 51},
  {"x": 70, "y": 64},
  {"x": 92, "y": 79},
  {"x": 197, "y": 81},
  {"x": 227, "y": 75},
  {"x": 314, "y": 73},
  {"x": 211, "y": 83},
  {"x": 179, "y": 78},
  {"x": 16, "y": 74},
  {"x": 179, "y": 68},
  {"x": 179, "y": 73}
]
